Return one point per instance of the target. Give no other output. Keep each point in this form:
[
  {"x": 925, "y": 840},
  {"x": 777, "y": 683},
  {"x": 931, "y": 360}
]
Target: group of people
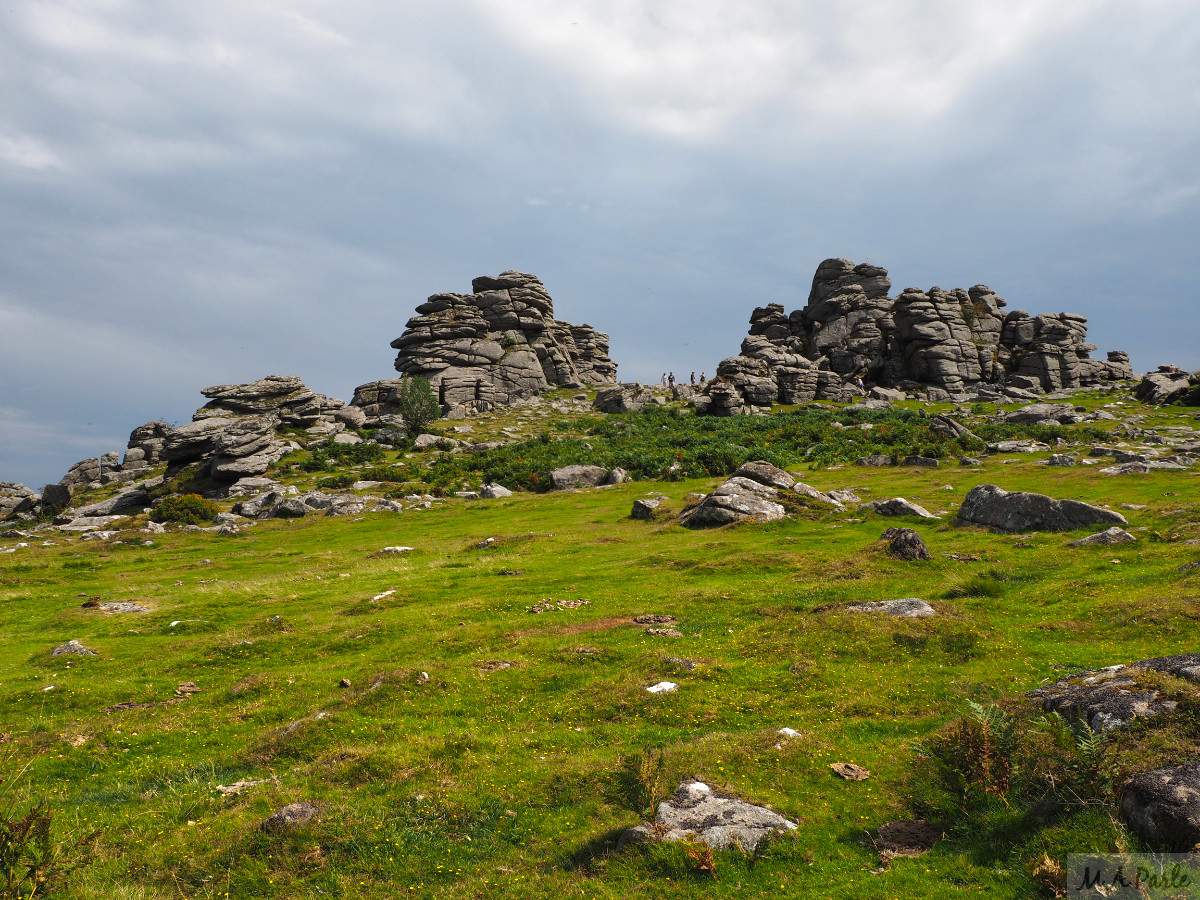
[{"x": 668, "y": 379}]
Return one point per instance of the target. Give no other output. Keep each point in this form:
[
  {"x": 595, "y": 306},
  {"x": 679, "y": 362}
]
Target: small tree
[{"x": 416, "y": 404}]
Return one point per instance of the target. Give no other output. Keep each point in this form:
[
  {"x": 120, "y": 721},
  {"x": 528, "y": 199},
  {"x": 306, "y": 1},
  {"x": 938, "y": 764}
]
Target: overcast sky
[{"x": 204, "y": 193}]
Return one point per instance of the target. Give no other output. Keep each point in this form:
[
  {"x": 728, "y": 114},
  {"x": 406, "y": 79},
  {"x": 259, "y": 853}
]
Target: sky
[{"x": 206, "y": 193}]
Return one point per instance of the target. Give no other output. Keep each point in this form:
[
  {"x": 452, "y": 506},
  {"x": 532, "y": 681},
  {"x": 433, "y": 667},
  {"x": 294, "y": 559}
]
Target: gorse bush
[
  {"x": 329, "y": 455},
  {"x": 190, "y": 509}
]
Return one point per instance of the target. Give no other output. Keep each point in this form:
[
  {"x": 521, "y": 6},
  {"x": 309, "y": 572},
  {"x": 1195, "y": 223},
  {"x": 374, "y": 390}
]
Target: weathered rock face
[
  {"x": 16, "y": 499},
  {"x": 1110, "y": 698},
  {"x": 1168, "y": 385},
  {"x": 949, "y": 341},
  {"x": 284, "y": 395},
  {"x": 993, "y": 507},
  {"x": 499, "y": 344}
]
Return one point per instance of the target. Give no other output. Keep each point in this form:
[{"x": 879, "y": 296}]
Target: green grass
[{"x": 513, "y": 781}]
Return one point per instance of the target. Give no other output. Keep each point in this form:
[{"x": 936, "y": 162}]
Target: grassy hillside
[{"x": 485, "y": 749}]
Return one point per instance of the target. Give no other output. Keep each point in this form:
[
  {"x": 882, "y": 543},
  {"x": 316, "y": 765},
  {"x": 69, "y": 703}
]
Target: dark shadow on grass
[{"x": 584, "y": 859}]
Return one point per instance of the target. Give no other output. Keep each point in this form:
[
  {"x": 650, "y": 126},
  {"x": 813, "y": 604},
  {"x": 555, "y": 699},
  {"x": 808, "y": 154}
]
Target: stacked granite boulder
[
  {"x": 1170, "y": 384},
  {"x": 942, "y": 344},
  {"x": 494, "y": 346},
  {"x": 232, "y": 436},
  {"x": 16, "y": 499}
]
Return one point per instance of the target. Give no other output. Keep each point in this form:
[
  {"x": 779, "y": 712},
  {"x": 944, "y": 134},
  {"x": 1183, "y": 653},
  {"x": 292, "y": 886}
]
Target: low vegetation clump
[{"x": 189, "y": 509}]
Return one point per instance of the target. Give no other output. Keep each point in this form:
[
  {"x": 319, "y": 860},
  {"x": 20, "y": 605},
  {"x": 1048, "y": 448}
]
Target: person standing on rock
[
  {"x": 702, "y": 378},
  {"x": 671, "y": 380},
  {"x": 858, "y": 383},
  {"x": 693, "y": 379},
  {"x": 663, "y": 381}
]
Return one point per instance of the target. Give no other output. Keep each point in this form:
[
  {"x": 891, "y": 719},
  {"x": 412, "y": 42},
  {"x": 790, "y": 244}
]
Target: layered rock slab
[{"x": 994, "y": 507}]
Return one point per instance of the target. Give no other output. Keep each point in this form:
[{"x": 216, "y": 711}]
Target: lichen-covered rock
[
  {"x": 623, "y": 398},
  {"x": 568, "y": 477},
  {"x": 499, "y": 344},
  {"x": 906, "y": 544},
  {"x": 697, "y": 813},
  {"x": 16, "y": 498},
  {"x": 906, "y": 607},
  {"x": 737, "y": 499},
  {"x": 993, "y": 507},
  {"x": 1166, "y": 385}
]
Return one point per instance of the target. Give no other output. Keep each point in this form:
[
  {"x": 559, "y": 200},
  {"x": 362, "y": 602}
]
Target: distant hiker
[
  {"x": 671, "y": 380},
  {"x": 858, "y": 383},
  {"x": 693, "y": 379},
  {"x": 702, "y": 378},
  {"x": 663, "y": 380}
]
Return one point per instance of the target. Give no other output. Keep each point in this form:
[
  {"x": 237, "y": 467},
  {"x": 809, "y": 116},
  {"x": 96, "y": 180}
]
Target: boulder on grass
[
  {"x": 994, "y": 507},
  {"x": 1163, "y": 806},
  {"x": 904, "y": 543},
  {"x": 737, "y": 499},
  {"x": 697, "y": 813}
]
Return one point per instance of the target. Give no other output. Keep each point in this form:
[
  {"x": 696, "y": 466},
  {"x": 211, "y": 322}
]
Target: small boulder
[
  {"x": 904, "y": 543},
  {"x": 1114, "y": 535},
  {"x": 568, "y": 477},
  {"x": 697, "y": 813},
  {"x": 617, "y": 476},
  {"x": 765, "y": 473},
  {"x": 644, "y": 509},
  {"x": 877, "y": 460},
  {"x": 735, "y": 500},
  {"x": 293, "y": 815},
  {"x": 73, "y": 648},
  {"x": 494, "y": 492},
  {"x": 927, "y": 462}
]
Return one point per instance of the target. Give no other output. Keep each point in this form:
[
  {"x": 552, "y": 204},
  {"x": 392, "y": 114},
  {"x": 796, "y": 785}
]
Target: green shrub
[
  {"x": 416, "y": 404},
  {"x": 329, "y": 455},
  {"x": 190, "y": 509}
]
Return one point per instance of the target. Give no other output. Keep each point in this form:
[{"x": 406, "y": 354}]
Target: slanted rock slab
[
  {"x": 898, "y": 506},
  {"x": 697, "y": 813},
  {"x": 644, "y": 508},
  {"x": 994, "y": 507},
  {"x": 74, "y": 648},
  {"x": 737, "y": 499}
]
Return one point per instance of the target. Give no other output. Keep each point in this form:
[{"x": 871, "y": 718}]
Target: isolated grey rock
[
  {"x": 993, "y": 507},
  {"x": 1063, "y": 460},
  {"x": 494, "y": 492},
  {"x": 617, "y": 476},
  {"x": 16, "y": 498},
  {"x": 907, "y": 607},
  {"x": 697, "y": 813},
  {"x": 1114, "y": 535},
  {"x": 72, "y": 648},
  {"x": 293, "y": 815},
  {"x": 1163, "y": 806},
  {"x": 644, "y": 509},
  {"x": 737, "y": 499},
  {"x": 927, "y": 462},
  {"x": 289, "y": 508},
  {"x": 1040, "y": 412},
  {"x": 569, "y": 477},
  {"x": 898, "y": 506},
  {"x": 904, "y": 543},
  {"x": 876, "y": 460}
]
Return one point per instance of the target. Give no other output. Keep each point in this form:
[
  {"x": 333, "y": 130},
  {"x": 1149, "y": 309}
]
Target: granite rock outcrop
[
  {"x": 498, "y": 344},
  {"x": 941, "y": 343}
]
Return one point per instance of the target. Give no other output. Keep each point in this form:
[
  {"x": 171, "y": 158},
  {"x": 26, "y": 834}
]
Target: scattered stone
[
  {"x": 344, "y": 683},
  {"x": 1129, "y": 468},
  {"x": 1018, "y": 511},
  {"x": 904, "y": 543},
  {"x": 789, "y": 732},
  {"x": 845, "y": 496},
  {"x": 73, "y": 648},
  {"x": 908, "y": 607},
  {"x": 644, "y": 509},
  {"x": 664, "y": 632},
  {"x": 850, "y": 771},
  {"x": 240, "y": 787},
  {"x": 654, "y": 620},
  {"x": 116, "y": 608},
  {"x": 663, "y": 687},
  {"x": 1163, "y": 806},
  {"x": 969, "y": 461},
  {"x": 494, "y": 492},
  {"x": 697, "y": 813},
  {"x": 1114, "y": 535},
  {"x": 187, "y": 688},
  {"x": 485, "y": 543},
  {"x": 291, "y": 816},
  {"x": 392, "y": 551},
  {"x": 898, "y": 506}
]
